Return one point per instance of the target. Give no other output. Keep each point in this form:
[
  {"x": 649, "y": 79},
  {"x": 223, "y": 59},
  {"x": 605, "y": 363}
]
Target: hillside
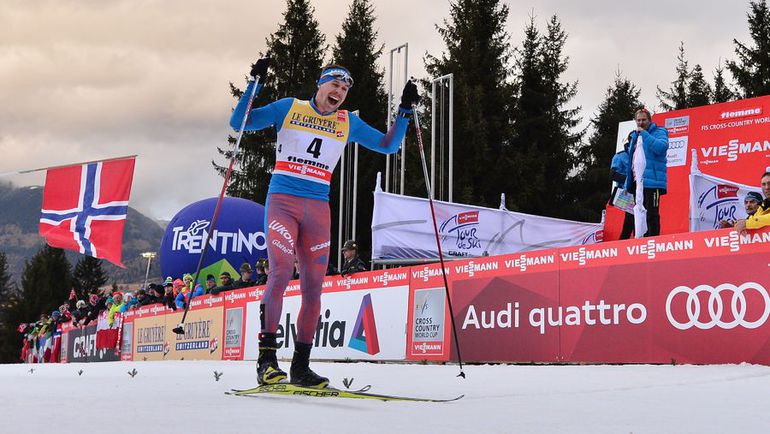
[{"x": 19, "y": 240}]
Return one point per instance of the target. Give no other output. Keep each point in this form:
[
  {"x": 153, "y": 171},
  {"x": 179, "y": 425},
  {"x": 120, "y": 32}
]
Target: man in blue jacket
[{"x": 655, "y": 146}]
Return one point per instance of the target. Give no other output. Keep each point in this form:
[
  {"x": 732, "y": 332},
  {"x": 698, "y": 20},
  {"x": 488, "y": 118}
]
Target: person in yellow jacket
[
  {"x": 761, "y": 218},
  {"x": 117, "y": 304}
]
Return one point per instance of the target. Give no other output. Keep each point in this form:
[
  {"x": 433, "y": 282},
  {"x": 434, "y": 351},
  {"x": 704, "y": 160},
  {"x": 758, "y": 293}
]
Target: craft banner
[{"x": 402, "y": 228}]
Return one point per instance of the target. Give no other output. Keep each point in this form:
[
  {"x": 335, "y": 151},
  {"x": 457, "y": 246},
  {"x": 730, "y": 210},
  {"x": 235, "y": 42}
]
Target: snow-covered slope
[{"x": 183, "y": 397}]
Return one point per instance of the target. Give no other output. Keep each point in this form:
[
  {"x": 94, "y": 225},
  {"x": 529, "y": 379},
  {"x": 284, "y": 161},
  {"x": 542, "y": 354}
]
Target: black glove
[
  {"x": 410, "y": 96},
  {"x": 260, "y": 68}
]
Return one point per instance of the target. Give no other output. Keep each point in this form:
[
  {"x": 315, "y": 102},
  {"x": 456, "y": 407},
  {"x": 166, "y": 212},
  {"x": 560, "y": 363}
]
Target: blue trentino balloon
[{"x": 239, "y": 236}]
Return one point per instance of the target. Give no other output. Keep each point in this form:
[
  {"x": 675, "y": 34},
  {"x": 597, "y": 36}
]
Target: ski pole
[
  {"x": 438, "y": 241},
  {"x": 179, "y": 329}
]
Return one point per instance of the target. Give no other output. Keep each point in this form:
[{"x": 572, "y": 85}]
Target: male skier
[{"x": 311, "y": 138}]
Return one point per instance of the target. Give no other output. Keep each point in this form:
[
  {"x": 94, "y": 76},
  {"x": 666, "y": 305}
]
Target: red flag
[{"x": 85, "y": 206}]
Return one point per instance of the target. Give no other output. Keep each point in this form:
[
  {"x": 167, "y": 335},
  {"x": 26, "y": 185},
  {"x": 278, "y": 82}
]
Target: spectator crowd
[{"x": 40, "y": 337}]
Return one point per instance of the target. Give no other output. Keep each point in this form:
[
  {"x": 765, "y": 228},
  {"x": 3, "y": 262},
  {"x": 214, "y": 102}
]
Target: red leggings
[{"x": 295, "y": 224}]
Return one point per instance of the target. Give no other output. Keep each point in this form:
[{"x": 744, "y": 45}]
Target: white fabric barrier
[
  {"x": 402, "y": 228},
  {"x": 714, "y": 199}
]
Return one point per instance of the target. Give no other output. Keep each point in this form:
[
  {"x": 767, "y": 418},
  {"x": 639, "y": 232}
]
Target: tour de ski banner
[
  {"x": 402, "y": 228},
  {"x": 714, "y": 199},
  {"x": 731, "y": 140}
]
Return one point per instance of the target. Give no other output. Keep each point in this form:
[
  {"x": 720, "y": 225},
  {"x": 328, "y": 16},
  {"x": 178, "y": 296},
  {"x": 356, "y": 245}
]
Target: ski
[
  {"x": 262, "y": 387},
  {"x": 329, "y": 392}
]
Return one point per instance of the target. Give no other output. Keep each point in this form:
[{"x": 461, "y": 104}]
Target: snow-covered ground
[{"x": 183, "y": 397}]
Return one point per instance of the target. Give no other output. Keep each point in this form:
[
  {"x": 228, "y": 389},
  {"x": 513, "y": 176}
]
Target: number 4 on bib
[{"x": 315, "y": 147}]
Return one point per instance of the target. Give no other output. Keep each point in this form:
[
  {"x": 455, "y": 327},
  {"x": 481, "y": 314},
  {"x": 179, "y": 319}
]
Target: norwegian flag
[{"x": 85, "y": 206}]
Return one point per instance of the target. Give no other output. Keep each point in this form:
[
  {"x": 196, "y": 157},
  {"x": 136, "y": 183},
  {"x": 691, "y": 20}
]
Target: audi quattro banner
[
  {"x": 714, "y": 199},
  {"x": 732, "y": 142},
  {"x": 693, "y": 299},
  {"x": 686, "y": 298},
  {"x": 501, "y": 307},
  {"x": 362, "y": 318},
  {"x": 402, "y": 228}
]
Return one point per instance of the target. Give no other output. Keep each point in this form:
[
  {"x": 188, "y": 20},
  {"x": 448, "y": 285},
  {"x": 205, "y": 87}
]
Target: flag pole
[{"x": 21, "y": 172}]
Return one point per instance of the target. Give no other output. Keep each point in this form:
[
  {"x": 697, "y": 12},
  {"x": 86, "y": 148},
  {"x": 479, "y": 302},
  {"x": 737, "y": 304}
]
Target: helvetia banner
[
  {"x": 362, "y": 318},
  {"x": 402, "y": 228}
]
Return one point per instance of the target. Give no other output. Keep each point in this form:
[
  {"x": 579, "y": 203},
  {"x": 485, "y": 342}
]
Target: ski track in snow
[{"x": 182, "y": 397}]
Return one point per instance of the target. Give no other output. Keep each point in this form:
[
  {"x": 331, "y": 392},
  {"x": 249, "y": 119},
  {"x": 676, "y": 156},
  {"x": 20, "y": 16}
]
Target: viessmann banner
[
  {"x": 688, "y": 298},
  {"x": 363, "y": 317}
]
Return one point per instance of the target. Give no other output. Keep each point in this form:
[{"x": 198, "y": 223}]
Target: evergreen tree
[
  {"x": 46, "y": 282},
  {"x": 6, "y": 287},
  {"x": 698, "y": 90},
  {"x": 592, "y": 184},
  {"x": 356, "y": 49},
  {"x": 722, "y": 92},
  {"x": 45, "y": 285},
  {"x": 9, "y": 337},
  {"x": 297, "y": 50},
  {"x": 752, "y": 70},
  {"x": 478, "y": 52},
  {"x": 89, "y": 276},
  {"x": 676, "y": 97},
  {"x": 544, "y": 140}
]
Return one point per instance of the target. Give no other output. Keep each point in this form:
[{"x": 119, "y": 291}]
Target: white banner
[
  {"x": 366, "y": 324},
  {"x": 402, "y": 228},
  {"x": 714, "y": 199}
]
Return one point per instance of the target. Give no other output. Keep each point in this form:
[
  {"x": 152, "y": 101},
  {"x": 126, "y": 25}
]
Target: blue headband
[{"x": 340, "y": 74}]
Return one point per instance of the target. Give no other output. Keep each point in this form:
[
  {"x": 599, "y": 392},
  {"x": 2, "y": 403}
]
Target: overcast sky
[{"x": 89, "y": 79}]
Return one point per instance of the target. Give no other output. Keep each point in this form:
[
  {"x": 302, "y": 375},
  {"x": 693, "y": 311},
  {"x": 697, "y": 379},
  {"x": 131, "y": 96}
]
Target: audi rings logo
[{"x": 716, "y": 307}]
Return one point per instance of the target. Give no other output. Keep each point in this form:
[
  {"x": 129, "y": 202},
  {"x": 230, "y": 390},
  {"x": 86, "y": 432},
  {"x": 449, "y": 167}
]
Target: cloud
[{"x": 87, "y": 79}]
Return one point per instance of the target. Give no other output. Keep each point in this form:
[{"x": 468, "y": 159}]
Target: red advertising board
[
  {"x": 428, "y": 322},
  {"x": 732, "y": 141},
  {"x": 494, "y": 301},
  {"x": 684, "y": 298}
]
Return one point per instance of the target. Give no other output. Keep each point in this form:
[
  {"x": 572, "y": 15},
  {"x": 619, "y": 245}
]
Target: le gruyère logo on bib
[{"x": 314, "y": 123}]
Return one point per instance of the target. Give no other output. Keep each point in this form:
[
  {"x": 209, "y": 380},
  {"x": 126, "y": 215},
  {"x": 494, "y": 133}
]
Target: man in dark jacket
[
  {"x": 80, "y": 313},
  {"x": 142, "y": 299},
  {"x": 96, "y": 305},
  {"x": 260, "y": 278},
  {"x": 655, "y": 146},
  {"x": 245, "y": 281},
  {"x": 353, "y": 263},
  {"x": 168, "y": 295},
  {"x": 226, "y": 283}
]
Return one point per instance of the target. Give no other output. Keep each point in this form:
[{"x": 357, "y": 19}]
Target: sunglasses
[{"x": 337, "y": 75}]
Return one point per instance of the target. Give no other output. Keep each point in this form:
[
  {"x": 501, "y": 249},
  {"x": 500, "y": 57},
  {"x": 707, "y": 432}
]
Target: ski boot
[
  {"x": 300, "y": 371},
  {"x": 268, "y": 371}
]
